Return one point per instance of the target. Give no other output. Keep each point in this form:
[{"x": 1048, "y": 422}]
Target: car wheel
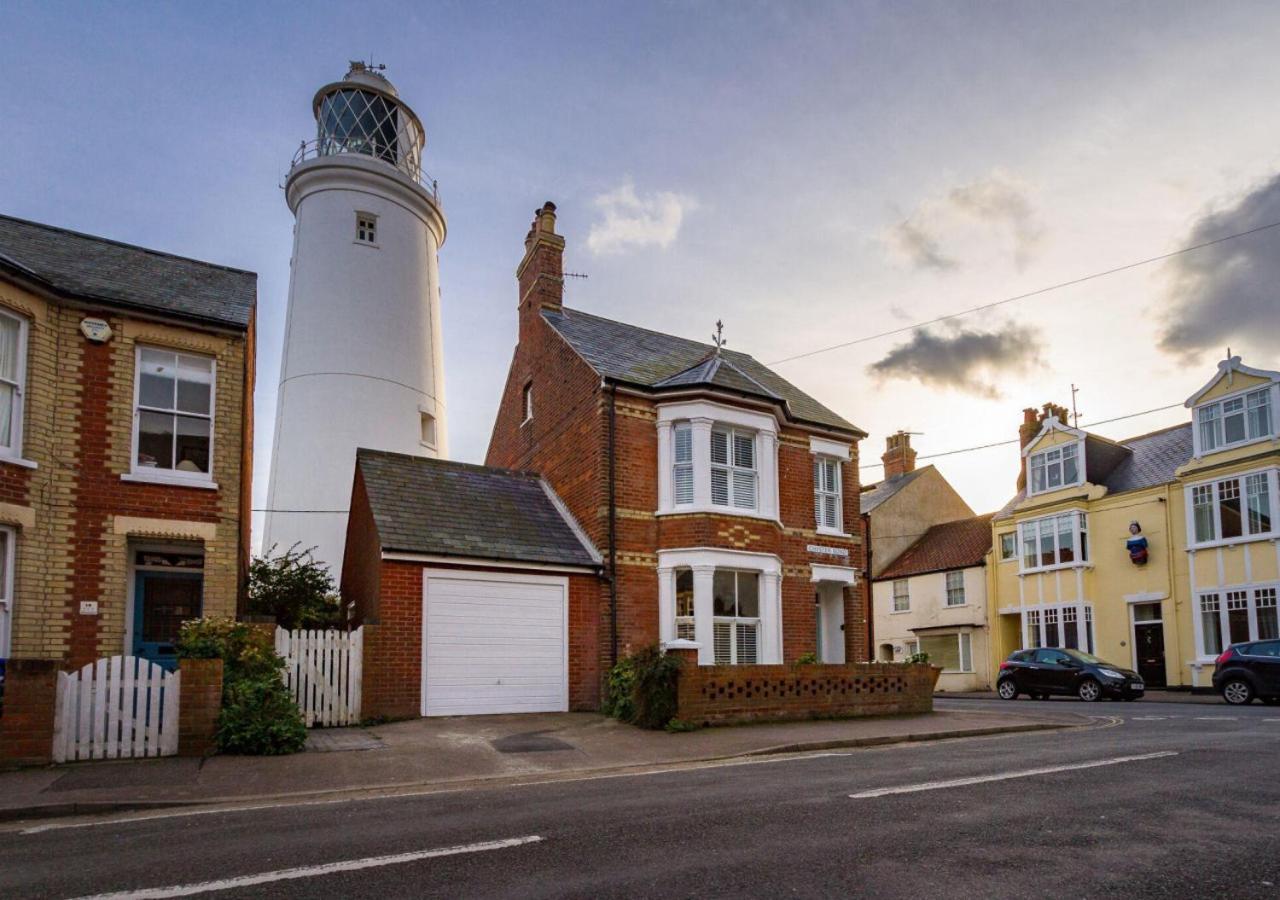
[
  {"x": 1237, "y": 692},
  {"x": 1007, "y": 690},
  {"x": 1089, "y": 690}
]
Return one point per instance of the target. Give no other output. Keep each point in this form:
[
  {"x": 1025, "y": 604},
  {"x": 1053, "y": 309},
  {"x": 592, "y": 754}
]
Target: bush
[
  {"x": 642, "y": 688},
  {"x": 806, "y": 659},
  {"x": 294, "y": 588},
  {"x": 258, "y": 715},
  {"x": 917, "y": 659}
]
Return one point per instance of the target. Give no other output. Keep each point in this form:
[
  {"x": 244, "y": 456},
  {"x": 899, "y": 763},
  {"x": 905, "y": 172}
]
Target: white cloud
[{"x": 631, "y": 221}]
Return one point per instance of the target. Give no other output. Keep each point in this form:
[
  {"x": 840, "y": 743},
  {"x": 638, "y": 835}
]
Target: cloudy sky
[{"x": 812, "y": 174}]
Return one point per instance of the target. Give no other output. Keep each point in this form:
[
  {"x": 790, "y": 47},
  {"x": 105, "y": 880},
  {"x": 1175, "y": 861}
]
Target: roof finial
[{"x": 718, "y": 337}]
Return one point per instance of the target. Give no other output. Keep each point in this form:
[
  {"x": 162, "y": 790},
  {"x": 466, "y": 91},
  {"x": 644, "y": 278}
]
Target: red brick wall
[
  {"x": 26, "y": 724},
  {"x": 199, "y": 702},
  {"x": 722, "y": 695}
]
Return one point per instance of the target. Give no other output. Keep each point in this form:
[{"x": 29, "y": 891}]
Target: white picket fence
[
  {"x": 323, "y": 672},
  {"x": 121, "y": 706}
]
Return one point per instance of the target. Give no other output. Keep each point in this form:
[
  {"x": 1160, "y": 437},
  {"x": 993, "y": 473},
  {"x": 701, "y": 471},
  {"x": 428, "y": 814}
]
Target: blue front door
[{"x": 162, "y": 601}]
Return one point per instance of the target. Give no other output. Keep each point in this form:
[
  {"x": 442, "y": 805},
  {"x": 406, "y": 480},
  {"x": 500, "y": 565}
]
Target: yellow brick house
[{"x": 1152, "y": 552}]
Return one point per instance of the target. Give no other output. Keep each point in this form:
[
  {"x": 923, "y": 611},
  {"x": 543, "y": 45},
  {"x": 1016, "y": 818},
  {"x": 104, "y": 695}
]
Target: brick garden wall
[
  {"x": 722, "y": 695},
  {"x": 199, "y": 702},
  {"x": 26, "y": 724}
]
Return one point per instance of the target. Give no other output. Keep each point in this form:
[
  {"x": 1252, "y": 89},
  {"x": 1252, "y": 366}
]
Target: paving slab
[{"x": 455, "y": 751}]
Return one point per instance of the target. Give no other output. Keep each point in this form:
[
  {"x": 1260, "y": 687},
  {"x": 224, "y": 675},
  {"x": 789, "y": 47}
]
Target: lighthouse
[{"x": 363, "y": 360}]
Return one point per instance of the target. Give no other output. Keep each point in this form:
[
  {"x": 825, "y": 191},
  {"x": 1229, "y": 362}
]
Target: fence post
[
  {"x": 27, "y": 723},
  {"x": 199, "y": 702}
]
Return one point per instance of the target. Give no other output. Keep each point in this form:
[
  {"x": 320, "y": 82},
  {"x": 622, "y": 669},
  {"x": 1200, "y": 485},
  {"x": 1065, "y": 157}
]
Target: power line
[
  {"x": 1044, "y": 290},
  {"x": 1133, "y": 415}
]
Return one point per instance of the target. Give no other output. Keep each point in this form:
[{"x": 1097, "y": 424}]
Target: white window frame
[
  {"x": 951, "y": 589},
  {"x": 366, "y": 229},
  {"x": 822, "y": 491},
  {"x": 682, "y": 464},
  {"x": 735, "y": 621},
  {"x": 6, "y": 590},
  {"x": 526, "y": 403},
  {"x": 1210, "y": 488},
  {"x": 1036, "y": 620},
  {"x": 1236, "y": 596},
  {"x": 1079, "y": 541},
  {"x": 1013, "y": 549},
  {"x": 685, "y": 619},
  {"x": 1055, "y": 459},
  {"x": 964, "y": 650},
  {"x": 1214, "y": 414},
  {"x": 173, "y": 476},
  {"x": 733, "y": 469},
  {"x": 904, "y": 596},
  {"x": 14, "y": 450}
]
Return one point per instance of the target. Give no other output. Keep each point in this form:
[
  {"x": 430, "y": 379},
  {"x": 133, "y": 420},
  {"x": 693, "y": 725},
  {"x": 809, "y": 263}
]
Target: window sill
[
  {"x": 168, "y": 481},
  {"x": 833, "y": 532},
  {"x": 360, "y": 243},
  {"x": 1235, "y": 542},
  {"x": 1054, "y": 490},
  {"x": 1058, "y": 568},
  {"x": 717, "y": 511},
  {"x": 19, "y": 461},
  {"x": 1202, "y": 453},
  {"x": 899, "y": 612},
  {"x": 954, "y": 605}
]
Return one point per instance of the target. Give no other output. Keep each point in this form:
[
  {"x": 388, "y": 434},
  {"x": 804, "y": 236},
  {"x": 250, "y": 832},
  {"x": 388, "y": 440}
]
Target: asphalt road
[{"x": 1157, "y": 800}]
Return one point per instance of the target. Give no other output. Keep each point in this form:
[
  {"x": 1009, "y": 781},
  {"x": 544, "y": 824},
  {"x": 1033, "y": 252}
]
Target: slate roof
[
  {"x": 445, "y": 508},
  {"x": 1152, "y": 459},
  {"x": 950, "y": 545},
  {"x": 651, "y": 359},
  {"x": 878, "y": 493},
  {"x": 103, "y": 271}
]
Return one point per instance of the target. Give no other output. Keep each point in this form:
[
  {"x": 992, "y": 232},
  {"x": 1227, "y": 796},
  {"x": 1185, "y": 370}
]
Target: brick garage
[{"x": 489, "y": 567}]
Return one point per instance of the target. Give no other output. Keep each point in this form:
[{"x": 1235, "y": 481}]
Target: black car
[
  {"x": 1048, "y": 670},
  {"x": 1245, "y": 671}
]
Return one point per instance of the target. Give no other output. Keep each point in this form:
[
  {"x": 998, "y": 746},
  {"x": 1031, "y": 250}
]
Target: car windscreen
[{"x": 1083, "y": 657}]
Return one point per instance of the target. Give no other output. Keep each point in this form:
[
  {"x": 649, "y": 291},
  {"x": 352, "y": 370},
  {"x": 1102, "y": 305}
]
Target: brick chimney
[
  {"x": 898, "y": 458},
  {"x": 541, "y": 272},
  {"x": 1032, "y": 421}
]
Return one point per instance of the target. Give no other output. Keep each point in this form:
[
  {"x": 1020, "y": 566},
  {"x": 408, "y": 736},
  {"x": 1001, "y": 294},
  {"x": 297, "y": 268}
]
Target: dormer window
[
  {"x": 1055, "y": 468},
  {"x": 1234, "y": 420}
]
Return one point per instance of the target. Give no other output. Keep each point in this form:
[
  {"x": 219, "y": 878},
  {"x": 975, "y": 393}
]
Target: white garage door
[{"x": 494, "y": 644}]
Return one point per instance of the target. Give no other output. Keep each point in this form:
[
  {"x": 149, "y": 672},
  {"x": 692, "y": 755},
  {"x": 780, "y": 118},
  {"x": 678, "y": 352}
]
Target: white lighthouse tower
[{"x": 363, "y": 359}]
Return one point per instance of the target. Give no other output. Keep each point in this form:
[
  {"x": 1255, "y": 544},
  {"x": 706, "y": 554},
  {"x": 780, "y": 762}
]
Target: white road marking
[
  {"x": 1216, "y": 718},
  {"x": 1005, "y": 776},
  {"x": 349, "y": 865},
  {"x": 1148, "y": 718}
]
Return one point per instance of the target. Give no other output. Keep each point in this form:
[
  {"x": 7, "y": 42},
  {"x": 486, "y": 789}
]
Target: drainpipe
[{"x": 613, "y": 525}]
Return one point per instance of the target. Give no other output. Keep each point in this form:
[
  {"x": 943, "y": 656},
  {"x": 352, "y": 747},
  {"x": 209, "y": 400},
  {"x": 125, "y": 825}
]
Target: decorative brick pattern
[
  {"x": 199, "y": 702},
  {"x": 722, "y": 695},
  {"x": 26, "y": 723}
]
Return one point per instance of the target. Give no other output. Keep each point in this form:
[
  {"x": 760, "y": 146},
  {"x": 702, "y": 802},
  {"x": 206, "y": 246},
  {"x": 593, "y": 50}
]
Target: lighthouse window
[
  {"x": 366, "y": 228},
  {"x": 428, "y": 429},
  {"x": 174, "y": 413}
]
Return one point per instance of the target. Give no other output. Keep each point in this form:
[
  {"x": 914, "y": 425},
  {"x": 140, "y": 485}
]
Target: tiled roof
[
  {"x": 873, "y": 495},
  {"x": 951, "y": 545},
  {"x": 650, "y": 359},
  {"x": 446, "y": 508},
  {"x": 1152, "y": 459},
  {"x": 100, "y": 270}
]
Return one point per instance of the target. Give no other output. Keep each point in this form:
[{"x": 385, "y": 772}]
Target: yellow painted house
[{"x": 1069, "y": 566}]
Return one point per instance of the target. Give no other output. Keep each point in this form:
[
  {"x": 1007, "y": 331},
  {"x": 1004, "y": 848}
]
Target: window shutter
[
  {"x": 683, "y": 443},
  {"x": 747, "y": 653},
  {"x": 744, "y": 490},
  {"x": 719, "y": 447},
  {"x": 744, "y": 451},
  {"x": 723, "y": 636},
  {"x": 683, "y": 484},
  {"x": 829, "y": 502},
  {"x": 720, "y": 487},
  {"x": 685, "y": 631}
]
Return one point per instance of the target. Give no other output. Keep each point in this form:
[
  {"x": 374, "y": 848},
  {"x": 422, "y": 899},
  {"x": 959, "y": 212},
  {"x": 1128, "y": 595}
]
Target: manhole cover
[{"x": 531, "y": 742}]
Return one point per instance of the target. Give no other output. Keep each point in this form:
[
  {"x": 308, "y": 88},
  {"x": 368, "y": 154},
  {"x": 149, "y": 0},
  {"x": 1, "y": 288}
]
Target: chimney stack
[
  {"x": 541, "y": 272},
  {"x": 898, "y": 458}
]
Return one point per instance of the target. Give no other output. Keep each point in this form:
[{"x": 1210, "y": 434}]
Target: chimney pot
[{"x": 898, "y": 458}]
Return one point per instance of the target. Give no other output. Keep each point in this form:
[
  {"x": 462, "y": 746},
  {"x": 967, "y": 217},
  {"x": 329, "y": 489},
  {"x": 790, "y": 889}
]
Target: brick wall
[
  {"x": 362, "y": 558},
  {"x": 26, "y": 725},
  {"x": 199, "y": 702},
  {"x": 723, "y": 695},
  {"x": 75, "y": 515}
]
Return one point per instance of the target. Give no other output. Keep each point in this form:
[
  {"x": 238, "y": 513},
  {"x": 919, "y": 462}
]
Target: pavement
[
  {"x": 453, "y": 751},
  {"x": 1200, "y": 695},
  {"x": 1151, "y": 801}
]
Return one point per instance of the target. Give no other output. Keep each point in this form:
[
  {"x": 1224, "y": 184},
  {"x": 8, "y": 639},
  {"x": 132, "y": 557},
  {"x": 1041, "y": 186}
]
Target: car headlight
[{"x": 1110, "y": 673}]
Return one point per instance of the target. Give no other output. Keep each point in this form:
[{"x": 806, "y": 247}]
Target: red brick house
[
  {"x": 125, "y": 444},
  {"x": 723, "y": 500}
]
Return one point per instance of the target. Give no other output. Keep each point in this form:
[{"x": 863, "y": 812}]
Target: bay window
[
  {"x": 173, "y": 417},
  {"x": 826, "y": 493},
  {"x": 1067, "y": 626},
  {"x": 1239, "y": 507},
  {"x": 13, "y": 376},
  {"x": 736, "y": 600},
  {"x": 1055, "y": 468},
  {"x": 1234, "y": 420},
  {"x": 953, "y": 652},
  {"x": 1235, "y": 615},
  {"x": 1058, "y": 540},
  {"x": 733, "y": 468}
]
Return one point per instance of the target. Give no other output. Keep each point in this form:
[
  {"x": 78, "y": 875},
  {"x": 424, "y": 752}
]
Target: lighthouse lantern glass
[{"x": 368, "y": 123}]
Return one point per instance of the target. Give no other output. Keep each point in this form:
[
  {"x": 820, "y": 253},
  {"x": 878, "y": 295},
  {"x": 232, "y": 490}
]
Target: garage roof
[{"x": 444, "y": 508}]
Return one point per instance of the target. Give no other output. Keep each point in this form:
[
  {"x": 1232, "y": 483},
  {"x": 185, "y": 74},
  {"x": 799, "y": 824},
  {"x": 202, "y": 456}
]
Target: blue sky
[{"x": 810, "y": 173}]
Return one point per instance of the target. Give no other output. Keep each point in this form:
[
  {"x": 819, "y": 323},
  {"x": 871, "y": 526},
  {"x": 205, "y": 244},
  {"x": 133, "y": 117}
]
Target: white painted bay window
[
  {"x": 1067, "y": 626},
  {"x": 1234, "y": 420},
  {"x": 1055, "y": 468},
  {"x": 1235, "y": 615},
  {"x": 13, "y": 376},
  {"x": 953, "y": 652},
  {"x": 736, "y": 601},
  {"x": 826, "y": 494},
  {"x": 714, "y": 458},
  {"x": 174, "y": 415},
  {"x": 729, "y": 602},
  {"x": 1054, "y": 541},
  {"x": 1235, "y": 508}
]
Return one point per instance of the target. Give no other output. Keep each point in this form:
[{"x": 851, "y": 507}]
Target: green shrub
[
  {"x": 294, "y": 588},
  {"x": 677, "y": 726},
  {"x": 917, "y": 659},
  {"x": 619, "y": 700},
  {"x": 258, "y": 715},
  {"x": 806, "y": 659},
  {"x": 642, "y": 688}
]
